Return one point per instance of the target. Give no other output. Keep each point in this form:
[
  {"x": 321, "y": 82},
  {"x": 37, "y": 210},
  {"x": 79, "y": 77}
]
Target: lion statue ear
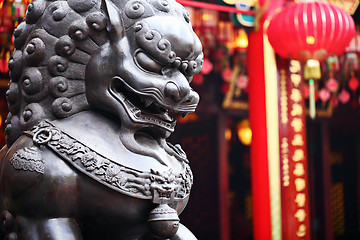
[{"x": 116, "y": 25}]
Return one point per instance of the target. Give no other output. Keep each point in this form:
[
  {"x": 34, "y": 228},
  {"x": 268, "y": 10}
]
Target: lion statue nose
[{"x": 176, "y": 93}]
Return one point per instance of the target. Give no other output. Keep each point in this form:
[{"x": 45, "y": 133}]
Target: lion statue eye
[{"x": 147, "y": 63}]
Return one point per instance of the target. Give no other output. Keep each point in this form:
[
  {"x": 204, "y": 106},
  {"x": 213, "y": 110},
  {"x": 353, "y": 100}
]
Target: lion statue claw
[{"x": 95, "y": 89}]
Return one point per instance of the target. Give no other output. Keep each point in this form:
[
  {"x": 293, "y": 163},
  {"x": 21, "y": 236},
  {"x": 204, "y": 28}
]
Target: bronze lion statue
[{"x": 96, "y": 86}]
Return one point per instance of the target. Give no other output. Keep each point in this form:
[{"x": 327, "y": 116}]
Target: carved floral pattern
[{"x": 28, "y": 159}]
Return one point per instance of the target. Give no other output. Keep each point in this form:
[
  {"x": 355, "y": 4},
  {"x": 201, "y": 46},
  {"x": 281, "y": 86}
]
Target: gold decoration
[
  {"x": 298, "y": 140},
  {"x": 299, "y": 169},
  {"x": 301, "y": 231},
  {"x": 300, "y": 199},
  {"x": 298, "y": 155},
  {"x": 297, "y": 124},
  {"x": 300, "y": 184},
  {"x": 296, "y": 110},
  {"x": 300, "y": 215},
  {"x": 295, "y": 95}
]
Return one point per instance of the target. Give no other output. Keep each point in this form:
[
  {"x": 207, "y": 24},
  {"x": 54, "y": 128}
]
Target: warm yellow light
[
  {"x": 228, "y": 134},
  {"x": 310, "y": 40},
  {"x": 241, "y": 40},
  {"x": 209, "y": 18},
  {"x": 244, "y": 132},
  {"x": 245, "y": 136},
  {"x": 206, "y": 17}
]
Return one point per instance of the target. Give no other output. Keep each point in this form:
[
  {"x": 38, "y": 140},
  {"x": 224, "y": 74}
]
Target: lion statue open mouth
[{"x": 95, "y": 89}]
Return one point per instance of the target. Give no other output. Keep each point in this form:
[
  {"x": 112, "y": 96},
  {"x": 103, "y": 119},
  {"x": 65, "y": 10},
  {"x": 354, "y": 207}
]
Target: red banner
[{"x": 293, "y": 155}]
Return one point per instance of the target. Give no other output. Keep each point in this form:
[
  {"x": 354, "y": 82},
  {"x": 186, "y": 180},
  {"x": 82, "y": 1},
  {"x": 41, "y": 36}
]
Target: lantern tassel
[{"x": 312, "y": 107}]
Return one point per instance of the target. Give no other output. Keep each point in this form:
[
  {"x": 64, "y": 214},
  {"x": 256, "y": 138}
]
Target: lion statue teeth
[{"x": 96, "y": 87}]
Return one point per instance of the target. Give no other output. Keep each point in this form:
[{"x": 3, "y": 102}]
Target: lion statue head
[{"x": 132, "y": 60}]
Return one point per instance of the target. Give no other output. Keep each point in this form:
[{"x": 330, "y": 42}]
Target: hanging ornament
[
  {"x": 344, "y": 96},
  {"x": 351, "y": 62},
  {"x": 324, "y": 94},
  {"x": 332, "y": 63},
  {"x": 242, "y": 81},
  {"x": 163, "y": 221},
  {"x": 312, "y": 72},
  {"x": 312, "y": 107},
  {"x": 226, "y": 74},
  {"x": 332, "y": 84},
  {"x": 207, "y": 66},
  {"x": 353, "y": 82},
  {"x": 305, "y": 30},
  {"x": 312, "y": 69},
  {"x": 353, "y": 85}
]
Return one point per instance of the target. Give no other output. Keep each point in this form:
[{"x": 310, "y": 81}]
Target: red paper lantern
[
  {"x": 332, "y": 84},
  {"x": 344, "y": 96},
  {"x": 310, "y": 30},
  {"x": 207, "y": 66},
  {"x": 353, "y": 83},
  {"x": 324, "y": 94},
  {"x": 227, "y": 74}
]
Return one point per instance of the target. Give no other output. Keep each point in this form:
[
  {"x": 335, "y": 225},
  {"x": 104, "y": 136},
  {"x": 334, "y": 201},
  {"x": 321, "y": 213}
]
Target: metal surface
[{"x": 95, "y": 89}]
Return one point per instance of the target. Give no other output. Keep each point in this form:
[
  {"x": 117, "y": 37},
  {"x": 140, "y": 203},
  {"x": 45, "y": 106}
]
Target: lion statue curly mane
[{"x": 96, "y": 86}]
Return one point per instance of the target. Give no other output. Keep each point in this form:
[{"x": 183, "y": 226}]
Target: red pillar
[
  {"x": 278, "y": 149},
  {"x": 262, "y": 216},
  {"x": 258, "y": 150}
]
